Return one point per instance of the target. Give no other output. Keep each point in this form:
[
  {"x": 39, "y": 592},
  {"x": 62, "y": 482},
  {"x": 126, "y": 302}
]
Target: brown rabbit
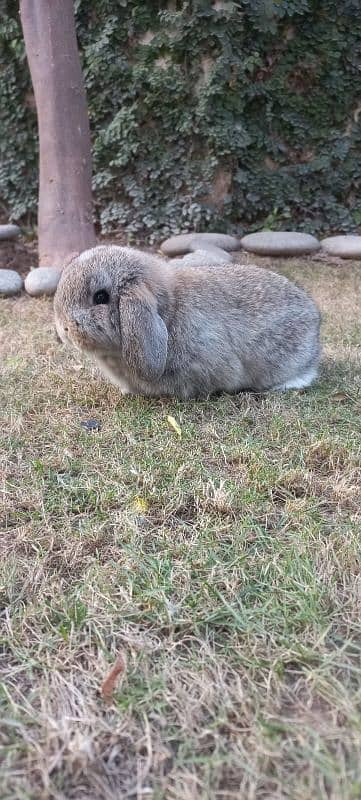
[{"x": 187, "y": 331}]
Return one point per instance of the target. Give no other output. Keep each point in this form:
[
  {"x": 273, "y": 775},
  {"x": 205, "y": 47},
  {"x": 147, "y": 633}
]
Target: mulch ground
[{"x": 18, "y": 254}]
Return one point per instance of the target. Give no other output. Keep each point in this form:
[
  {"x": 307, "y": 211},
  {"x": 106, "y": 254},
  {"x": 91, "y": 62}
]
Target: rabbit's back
[{"x": 239, "y": 327}]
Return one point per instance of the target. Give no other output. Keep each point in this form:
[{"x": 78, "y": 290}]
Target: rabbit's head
[{"x": 106, "y": 304}]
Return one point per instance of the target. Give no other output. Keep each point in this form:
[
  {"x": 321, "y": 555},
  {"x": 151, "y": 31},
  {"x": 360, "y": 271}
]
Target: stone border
[
  {"x": 347, "y": 246},
  {"x": 10, "y": 282},
  {"x": 262, "y": 243},
  {"x": 9, "y": 232},
  {"x": 189, "y": 242},
  {"x": 197, "y": 250},
  {"x": 42, "y": 281},
  {"x": 280, "y": 243}
]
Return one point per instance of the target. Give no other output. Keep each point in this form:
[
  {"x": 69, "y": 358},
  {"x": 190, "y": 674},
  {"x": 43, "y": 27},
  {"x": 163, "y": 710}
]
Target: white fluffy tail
[{"x": 299, "y": 382}]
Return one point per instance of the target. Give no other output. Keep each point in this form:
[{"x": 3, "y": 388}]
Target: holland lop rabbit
[{"x": 155, "y": 329}]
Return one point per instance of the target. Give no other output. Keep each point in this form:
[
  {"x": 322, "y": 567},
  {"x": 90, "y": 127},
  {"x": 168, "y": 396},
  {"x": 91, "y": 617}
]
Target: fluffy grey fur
[{"x": 187, "y": 331}]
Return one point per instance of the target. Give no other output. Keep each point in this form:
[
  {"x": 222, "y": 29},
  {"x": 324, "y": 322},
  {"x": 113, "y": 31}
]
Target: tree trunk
[{"x": 65, "y": 223}]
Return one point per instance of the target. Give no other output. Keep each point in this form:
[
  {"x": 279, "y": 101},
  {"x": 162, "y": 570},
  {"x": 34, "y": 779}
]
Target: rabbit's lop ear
[{"x": 144, "y": 334}]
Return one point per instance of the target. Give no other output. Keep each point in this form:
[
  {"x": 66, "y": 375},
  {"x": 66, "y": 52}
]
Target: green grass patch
[{"x": 223, "y": 565}]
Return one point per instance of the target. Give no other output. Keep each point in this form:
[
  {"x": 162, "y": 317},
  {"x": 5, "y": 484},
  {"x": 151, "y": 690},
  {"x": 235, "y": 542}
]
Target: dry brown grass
[{"x": 223, "y": 567}]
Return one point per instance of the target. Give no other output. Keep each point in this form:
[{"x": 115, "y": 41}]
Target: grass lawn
[{"x": 223, "y": 566}]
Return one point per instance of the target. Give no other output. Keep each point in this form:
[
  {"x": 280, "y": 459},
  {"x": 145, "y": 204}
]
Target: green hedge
[{"x": 204, "y": 115}]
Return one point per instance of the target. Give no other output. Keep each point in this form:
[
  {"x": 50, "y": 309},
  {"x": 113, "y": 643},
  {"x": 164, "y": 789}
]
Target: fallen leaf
[
  {"x": 174, "y": 424},
  {"x": 110, "y": 682},
  {"x": 140, "y": 504}
]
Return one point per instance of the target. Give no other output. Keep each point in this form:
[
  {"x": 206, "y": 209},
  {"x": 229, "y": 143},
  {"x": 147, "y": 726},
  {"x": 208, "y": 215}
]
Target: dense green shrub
[{"x": 228, "y": 115}]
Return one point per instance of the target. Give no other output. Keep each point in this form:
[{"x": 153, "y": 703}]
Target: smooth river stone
[
  {"x": 189, "y": 242},
  {"x": 280, "y": 243},
  {"x": 201, "y": 258},
  {"x": 42, "y": 280},
  {"x": 9, "y": 231},
  {"x": 10, "y": 282},
  {"x": 348, "y": 246}
]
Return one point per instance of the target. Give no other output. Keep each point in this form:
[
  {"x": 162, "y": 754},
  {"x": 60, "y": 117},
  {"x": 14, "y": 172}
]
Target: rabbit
[{"x": 187, "y": 332}]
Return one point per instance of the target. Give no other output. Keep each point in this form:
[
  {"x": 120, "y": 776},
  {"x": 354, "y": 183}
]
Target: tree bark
[{"x": 65, "y": 224}]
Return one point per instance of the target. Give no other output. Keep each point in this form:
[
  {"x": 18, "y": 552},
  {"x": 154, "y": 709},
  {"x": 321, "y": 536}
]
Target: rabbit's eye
[{"x": 101, "y": 297}]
